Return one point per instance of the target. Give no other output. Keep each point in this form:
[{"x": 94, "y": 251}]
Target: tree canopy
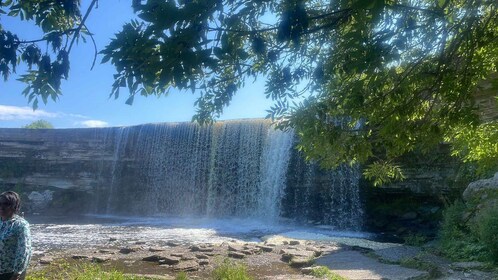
[
  {"x": 39, "y": 124},
  {"x": 360, "y": 81}
]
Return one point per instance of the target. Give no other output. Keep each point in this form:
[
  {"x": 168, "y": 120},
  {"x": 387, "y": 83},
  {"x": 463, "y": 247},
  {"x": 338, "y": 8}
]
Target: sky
[{"x": 85, "y": 101}]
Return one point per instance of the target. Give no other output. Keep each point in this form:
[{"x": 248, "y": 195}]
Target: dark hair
[{"x": 12, "y": 199}]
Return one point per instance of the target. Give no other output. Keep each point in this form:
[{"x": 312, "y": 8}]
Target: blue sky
[{"x": 85, "y": 101}]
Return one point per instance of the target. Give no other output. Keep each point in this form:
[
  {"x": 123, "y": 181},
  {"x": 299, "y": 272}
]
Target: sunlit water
[{"x": 98, "y": 231}]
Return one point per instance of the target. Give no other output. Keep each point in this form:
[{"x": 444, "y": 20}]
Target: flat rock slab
[
  {"x": 354, "y": 265},
  {"x": 150, "y": 276},
  {"x": 289, "y": 277},
  {"x": 397, "y": 253}
]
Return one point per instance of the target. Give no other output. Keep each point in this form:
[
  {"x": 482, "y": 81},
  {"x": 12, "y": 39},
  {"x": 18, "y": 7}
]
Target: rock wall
[{"x": 52, "y": 169}]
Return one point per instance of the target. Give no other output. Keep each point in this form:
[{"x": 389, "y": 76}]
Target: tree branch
[
  {"x": 77, "y": 32},
  {"x": 94, "y": 48}
]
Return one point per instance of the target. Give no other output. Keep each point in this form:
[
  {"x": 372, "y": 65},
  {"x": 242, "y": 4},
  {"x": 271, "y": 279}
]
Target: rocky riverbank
[{"x": 275, "y": 258}]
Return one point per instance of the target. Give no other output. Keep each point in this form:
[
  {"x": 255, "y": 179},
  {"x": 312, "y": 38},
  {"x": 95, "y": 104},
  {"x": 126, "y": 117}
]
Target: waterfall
[{"x": 241, "y": 169}]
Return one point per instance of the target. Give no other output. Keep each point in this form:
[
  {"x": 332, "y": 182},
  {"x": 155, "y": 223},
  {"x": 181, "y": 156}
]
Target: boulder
[
  {"x": 45, "y": 260},
  {"x": 79, "y": 257},
  {"x": 300, "y": 261},
  {"x": 294, "y": 242},
  {"x": 476, "y": 190},
  {"x": 172, "y": 244},
  {"x": 105, "y": 251},
  {"x": 203, "y": 262},
  {"x": 317, "y": 252},
  {"x": 236, "y": 255},
  {"x": 201, "y": 256},
  {"x": 100, "y": 259},
  {"x": 235, "y": 248},
  {"x": 156, "y": 249},
  {"x": 187, "y": 266},
  {"x": 127, "y": 250},
  {"x": 169, "y": 260},
  {"x": 291, "y": 255},
  {"x": 265, "y": 248},
  {"x": 307, "y": 270},
  {"x": 153, "y": 258}
]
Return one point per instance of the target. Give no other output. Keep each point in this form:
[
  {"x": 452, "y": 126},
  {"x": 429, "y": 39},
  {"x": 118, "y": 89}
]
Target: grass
[
  {"x": 181, "y": 276},
  {"x": 229, "y": 270},
  {"x": 434, "y": 271},
  {"x": 66, "y": 271},
  {"x": 324, "y": 272},
  {"x": 415, "y": 239}
]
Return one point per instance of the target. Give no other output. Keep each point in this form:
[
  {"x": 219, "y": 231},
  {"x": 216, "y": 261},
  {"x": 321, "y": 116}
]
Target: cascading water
[{"x": 244, "y": 169}]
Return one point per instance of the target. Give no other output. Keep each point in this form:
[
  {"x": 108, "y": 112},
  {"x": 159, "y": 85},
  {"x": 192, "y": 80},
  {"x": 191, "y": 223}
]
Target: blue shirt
[{"x": 15, "y": 245}]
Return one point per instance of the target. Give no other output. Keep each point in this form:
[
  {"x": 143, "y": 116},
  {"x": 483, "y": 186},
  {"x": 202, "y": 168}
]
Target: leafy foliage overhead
[{"x": 358, "y": 80}]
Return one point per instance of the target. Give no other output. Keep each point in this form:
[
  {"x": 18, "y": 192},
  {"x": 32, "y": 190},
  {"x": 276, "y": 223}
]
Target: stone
[
  {"x": 475, "y": 189},
  {"x": 294, "y": 242},
  {"x": 235, "y": 248},
  {"x": 128, "y": 250},
  {"x": 188, "y": 257},
  {"x": 156, "y": 249},
  {"x": 195, "y": 248},
  {"x": 236, "y": 255},
  {"x": 187, "y": 266},
  {"x": 140, "y": 243},
  {"x": 112, "y": 239},
  {"x": 201, "y": 256},
  {"x": 148, "y": 276},
  {"x": 105, "y": 251},
  {"x": 297, "y": 253},
  {"x": 203, "y": 262},
  {"x": 317, "y": 252},
  {"x": 265, "y": 248},
  {"x": 291, "y": 255},
  {"x": 177, "y": 255},
  {"x": 206, "y": 249},
  {"x": 45, "y": 260},
  {"x": 172, "y": 244},
  {"x": 300, "y": 261},
  {"x": 100, "y": 259},
  {"x": 79, "y": 257},
  {"x": 247, "y": 252},
  {"x": 467, "y": 265},
  {"x": 307, "y": 270},
  {"x": 153, "y": 258},
  {"x": 170, "y": 260}
]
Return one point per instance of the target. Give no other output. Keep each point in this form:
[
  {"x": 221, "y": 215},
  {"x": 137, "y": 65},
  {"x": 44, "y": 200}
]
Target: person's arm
[{"x": 23, "y": 251}]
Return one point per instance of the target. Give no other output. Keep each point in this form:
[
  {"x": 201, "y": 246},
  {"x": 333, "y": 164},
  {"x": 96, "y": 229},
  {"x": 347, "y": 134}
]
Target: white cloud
[
  {"x": 9, "y": 113},
  {"x": 94, "y": 123}
]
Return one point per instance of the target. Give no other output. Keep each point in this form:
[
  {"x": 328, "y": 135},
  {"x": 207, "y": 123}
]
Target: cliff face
[
  {"x": 52, "y": 167},
  {"x": 232, "y": 168}
]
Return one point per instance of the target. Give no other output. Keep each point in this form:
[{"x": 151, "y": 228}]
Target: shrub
[
  {"x": 228, "y": 270},
  {"x": 457, "y": 240},
  {"x": 487, "y": 230},
  {"x": 415, "y": 239},
  {"x": 181, "y": 276}
]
